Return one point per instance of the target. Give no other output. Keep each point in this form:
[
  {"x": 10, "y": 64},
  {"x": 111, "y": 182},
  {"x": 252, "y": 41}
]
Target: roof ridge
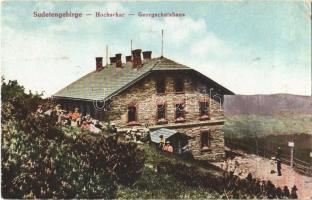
[{"x": 113, "y": 81}]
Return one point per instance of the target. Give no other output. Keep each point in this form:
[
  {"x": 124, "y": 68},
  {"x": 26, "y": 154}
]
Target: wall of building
[
  {"x": 143, "y": 95},
  {"x": 216, "y": 149}
]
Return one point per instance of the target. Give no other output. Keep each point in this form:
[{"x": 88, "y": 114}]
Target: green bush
[
  {"x": 42, "y": 160},
  {"x": 228, "y": 185}
]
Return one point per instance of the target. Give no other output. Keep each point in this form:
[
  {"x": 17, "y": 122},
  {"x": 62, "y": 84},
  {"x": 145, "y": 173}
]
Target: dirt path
[{"x": 261, "y": 168}]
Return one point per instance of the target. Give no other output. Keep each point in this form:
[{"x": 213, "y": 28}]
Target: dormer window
[
  {"x": 179, "y": 86},
  {"x": 160, "y": 86}
]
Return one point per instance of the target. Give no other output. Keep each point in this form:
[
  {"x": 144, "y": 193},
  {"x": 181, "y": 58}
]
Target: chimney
[
  {"x": 128, "y": 58},
  {"x": 118, "y": 60},
  {"x": 112, "y": 60},
  {"x": 137, "y": 62},
  {"x": 98, "y": 61},
  {"x": 147, "y": 55}
]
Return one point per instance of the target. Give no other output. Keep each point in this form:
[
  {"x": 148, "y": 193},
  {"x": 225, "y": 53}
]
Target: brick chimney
[
  {"x": 98, "y": 61},
  {"x": 118, "y": 60},
  {"x": 128, "y": 58},
  {"x": 147, "y": 55},
  {"x": 136, "y": 55},
  {"x": 112, "y": 60}
]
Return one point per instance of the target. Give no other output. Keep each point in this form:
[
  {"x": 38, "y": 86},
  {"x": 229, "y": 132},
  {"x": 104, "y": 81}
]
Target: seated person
[
  {"x": 94, "y": 129},
  {"x": 97, "y": 124},
  {"x": 168, "y": 147},
  {"x": 85, "y": 125},
  {"x": 75, "y": 116}
]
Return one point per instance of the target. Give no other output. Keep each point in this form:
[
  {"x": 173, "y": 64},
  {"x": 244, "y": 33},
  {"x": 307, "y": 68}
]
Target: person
[
  {"x": 186, "y": 152},
  {"x": 49, "y": 111},
  {"x": 58, "y": 109},
  {"x": 161, "y": 142},
  {"x": 92, "y": 127},
  {"x": 68, "y": 118},
  {"x": 39, "y": 110},
  {"x": 113, "y": 128},
  {"x": 168, "y": 147},
  {"x": 85, "y": 125},
  {"x": 88, "y": 118},
  {"x": 279, "y": 162},
  {"x": 293, "y": 193},
  {"x": 286, "y": 192},
  {"x": 97, "y": 124},
  {"x": 75, "y": 117}
]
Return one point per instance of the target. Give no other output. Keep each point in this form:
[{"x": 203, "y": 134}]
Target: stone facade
[{"x": 143, "y": 96}]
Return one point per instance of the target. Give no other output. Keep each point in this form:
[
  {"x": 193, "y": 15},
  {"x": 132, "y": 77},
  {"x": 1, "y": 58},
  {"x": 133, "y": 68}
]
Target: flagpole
[{"x": 162, "y": 42}]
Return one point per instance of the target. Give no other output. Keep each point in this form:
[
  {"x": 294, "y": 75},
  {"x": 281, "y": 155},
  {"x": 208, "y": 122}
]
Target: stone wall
[
  {"x": 216, "y": 149},
  {"x": 144, "y": 96}
]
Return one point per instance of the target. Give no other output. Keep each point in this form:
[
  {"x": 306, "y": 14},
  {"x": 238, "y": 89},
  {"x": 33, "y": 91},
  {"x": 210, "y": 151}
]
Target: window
[
  {"x": 204, "y": 109},
  {"x": 131, "y": 114},
  {"x": 179, "y": 86},
  {"x": 161, "y": 86},
  {"x": 161, "y": 114},
  {"x": 179, "y": 112},
  {"x": 205, "y": 140}
]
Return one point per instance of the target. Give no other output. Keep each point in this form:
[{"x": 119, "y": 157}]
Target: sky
[{"x": 249, "y": 47}]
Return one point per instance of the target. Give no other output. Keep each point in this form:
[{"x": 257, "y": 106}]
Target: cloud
[
  {"x": 210, "y": 45},
  {"x": 58, "y": 52}
]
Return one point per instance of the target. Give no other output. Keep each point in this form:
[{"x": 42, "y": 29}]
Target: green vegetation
[
  {"x": 155, "y": 185},
  {"x": 169, "y": 176},
  {"x": 264, "y": 134},
  {"x": 250, "y": 125},
  {"x": 42, "y": 160}
]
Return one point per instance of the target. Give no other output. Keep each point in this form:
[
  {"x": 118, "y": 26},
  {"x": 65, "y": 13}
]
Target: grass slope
[{"x": 152, "y": 185}]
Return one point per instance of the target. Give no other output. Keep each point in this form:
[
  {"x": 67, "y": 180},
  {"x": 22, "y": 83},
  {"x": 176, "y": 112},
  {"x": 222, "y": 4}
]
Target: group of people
[
  {"x": 71, "y": 118},
  {"x": 165, "y": 145}
]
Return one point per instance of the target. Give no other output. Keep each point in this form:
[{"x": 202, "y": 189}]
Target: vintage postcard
[{"x": 156, "y": 100}]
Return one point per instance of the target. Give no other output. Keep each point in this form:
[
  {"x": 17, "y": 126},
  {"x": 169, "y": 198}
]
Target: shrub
[
  {"x": 125, "y": 161},
  {"x": 42, "y": 163},
  {"x": 42, "y": 160},
  {"x": 229, "y": 185}
]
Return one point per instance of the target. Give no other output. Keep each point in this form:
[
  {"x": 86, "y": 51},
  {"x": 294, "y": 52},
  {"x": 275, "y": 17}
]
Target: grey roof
[
  {"x": 163, "y": 131},
  {"x": 110, "y": 81}
]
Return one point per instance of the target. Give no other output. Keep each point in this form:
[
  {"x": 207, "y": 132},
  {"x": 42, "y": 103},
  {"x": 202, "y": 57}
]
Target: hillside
[
  {"x": 169, "y": 176},
  {"x": 261, "y": 125},
  {"x": 154, "y": 185},
  {"x": 44, "y": 159},
  {"x": 275, "y": 104}
]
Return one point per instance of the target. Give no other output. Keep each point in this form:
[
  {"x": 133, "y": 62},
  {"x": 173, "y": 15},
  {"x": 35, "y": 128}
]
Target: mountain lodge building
[{"x": 154, "y": 93}]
